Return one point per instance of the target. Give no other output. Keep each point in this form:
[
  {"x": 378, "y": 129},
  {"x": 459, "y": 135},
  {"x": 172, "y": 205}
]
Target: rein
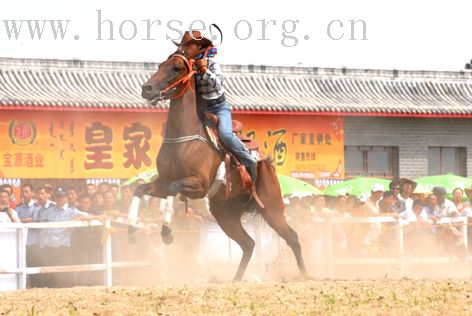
[{"x": 189, "y": 64}]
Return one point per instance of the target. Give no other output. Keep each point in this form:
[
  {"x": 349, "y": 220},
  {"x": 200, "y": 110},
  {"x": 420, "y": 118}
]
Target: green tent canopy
[
  {"x": 448, "y": 181},
  {"x": 357, "y": 186},
  {"x": 146, "y": 175},
  {"x": 290, "y": 186}
]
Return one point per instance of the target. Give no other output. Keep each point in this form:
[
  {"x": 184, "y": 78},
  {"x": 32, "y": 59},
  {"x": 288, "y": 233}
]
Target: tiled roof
[{"x": 92, "y": 84}]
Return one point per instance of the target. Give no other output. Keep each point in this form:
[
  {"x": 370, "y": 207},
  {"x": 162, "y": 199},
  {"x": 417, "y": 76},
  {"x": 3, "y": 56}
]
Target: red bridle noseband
[
  {"x": 189, "y": 64},
  {"x": 185, "y": 80}
]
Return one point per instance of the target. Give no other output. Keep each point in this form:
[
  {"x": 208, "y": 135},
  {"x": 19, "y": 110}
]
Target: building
[{"x": 86, "y": 120}]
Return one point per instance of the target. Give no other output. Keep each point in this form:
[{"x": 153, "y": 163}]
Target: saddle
[{"x": 251, "y": 144}]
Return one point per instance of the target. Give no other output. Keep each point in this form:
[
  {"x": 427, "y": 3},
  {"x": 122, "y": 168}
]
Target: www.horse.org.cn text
[{"x": 287, "y": 32}]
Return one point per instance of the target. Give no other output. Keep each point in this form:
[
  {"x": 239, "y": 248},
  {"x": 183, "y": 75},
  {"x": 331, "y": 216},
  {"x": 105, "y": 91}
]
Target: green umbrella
[
  {"x": 146, "y": 175},
  {"x": 357, "y": 186},
  {"x": 290, "y": 186},
  {"x": 448, "y": 181}
]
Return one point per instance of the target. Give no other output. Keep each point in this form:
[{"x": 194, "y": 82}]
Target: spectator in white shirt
[
  {"x": 7, "y": 214},
  {"x": 407, "y": 187},
  {"x": 446, "y": 207},
  {"x": 416, "y": 213},
  {"x": 431, "y": 210},
  {"x": 462, "y": 207}
]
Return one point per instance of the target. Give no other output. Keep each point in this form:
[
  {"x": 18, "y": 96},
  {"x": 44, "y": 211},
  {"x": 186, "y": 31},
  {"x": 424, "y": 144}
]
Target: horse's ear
[{"x": 176, "y": 43}]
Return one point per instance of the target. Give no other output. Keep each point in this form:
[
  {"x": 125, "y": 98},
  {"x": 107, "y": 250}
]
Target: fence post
[
  {"x": 330, "y": 249},
  {"x": 465, "y": 237},
  {"x": 401, "y": 248},
  {"x": 21, "y": 235},
  {"x": 107, "y": 256}
]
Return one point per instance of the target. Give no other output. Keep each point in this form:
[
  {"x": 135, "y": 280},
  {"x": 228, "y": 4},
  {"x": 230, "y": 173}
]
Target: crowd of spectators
[
  {"x": 426, "y": 218},
  {"x": 65, "y": 246},
  {"x": 424, "y": 214}
]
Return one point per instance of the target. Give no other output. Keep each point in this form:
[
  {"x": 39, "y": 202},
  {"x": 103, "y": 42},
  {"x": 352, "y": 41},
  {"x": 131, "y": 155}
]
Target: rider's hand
[{"x": 202, "y": 64}]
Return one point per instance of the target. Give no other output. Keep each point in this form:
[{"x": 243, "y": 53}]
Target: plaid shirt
[{"x": 210, "y": 84}]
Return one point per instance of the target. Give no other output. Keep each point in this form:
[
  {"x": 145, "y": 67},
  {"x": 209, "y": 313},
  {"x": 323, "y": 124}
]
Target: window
[
  {"x": 371, "y": 161},
  {"x": 442, "y": 160}
]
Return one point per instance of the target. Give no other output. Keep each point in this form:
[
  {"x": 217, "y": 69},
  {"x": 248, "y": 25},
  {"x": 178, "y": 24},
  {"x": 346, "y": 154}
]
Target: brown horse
[{"x": 187, "y": 164}]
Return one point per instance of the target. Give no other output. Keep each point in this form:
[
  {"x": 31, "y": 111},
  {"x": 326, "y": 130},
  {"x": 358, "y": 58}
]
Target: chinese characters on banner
[
  {"x": 40, "y": 144},
  {"x": 309, "y": 147},
  {"x": 68, "y": 144}
]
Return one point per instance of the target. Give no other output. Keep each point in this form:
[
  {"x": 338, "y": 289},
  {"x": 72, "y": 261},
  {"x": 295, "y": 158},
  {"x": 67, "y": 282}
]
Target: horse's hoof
[
  {"x": 132, "y": 229},
  {"x": 305, "y": 277},
  {"x": 132, "y": 239},
  {"x": 166, "y": 234},
  {"x": 168, "y": 239},
  {"x": 238, "y": 278}
]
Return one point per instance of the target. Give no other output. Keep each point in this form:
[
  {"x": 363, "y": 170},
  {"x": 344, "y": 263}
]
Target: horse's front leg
[
  {"x": 157, "y": 188},
  {"x": 192, "y": 187}
]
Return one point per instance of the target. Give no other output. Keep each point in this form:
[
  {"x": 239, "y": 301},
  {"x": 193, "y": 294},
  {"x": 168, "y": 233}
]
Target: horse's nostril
[{"x": 147, "y": 87}]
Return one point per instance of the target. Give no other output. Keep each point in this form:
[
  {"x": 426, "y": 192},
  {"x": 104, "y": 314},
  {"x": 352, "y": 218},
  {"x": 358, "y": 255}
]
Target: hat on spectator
[
  {"x": 439, "y": 191},
  {"x": 406, "y": 180},
  {"x": 49, "y": 188},
  {"x": 376, "y": 187},
  {"x": 60, "y": 192},
  {"x": 364, "y": 197}
]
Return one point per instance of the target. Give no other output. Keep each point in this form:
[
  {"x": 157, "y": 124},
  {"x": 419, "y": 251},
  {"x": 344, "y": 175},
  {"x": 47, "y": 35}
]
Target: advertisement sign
[{"x": 86, "y": 144}]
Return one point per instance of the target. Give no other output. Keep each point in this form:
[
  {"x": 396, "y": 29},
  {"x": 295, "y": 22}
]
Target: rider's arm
[{"x": 214, "y": 75}]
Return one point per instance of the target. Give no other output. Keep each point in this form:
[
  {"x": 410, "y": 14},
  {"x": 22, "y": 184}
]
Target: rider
[{"x": 210, "y": 86}]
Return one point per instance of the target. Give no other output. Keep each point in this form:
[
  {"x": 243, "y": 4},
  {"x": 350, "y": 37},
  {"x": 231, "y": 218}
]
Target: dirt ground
[{"x": 417, "y": 297}]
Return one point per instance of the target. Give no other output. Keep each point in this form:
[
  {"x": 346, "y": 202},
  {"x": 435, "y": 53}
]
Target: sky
[{"x": 401, "y": 34}]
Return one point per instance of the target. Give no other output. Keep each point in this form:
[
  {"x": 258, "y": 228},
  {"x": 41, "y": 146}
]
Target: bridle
[{"x": 185, "y": 80}]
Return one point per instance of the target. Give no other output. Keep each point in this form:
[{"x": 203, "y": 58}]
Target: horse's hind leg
[
  {"x": 230, "y": 222},
  {"x": 276, "y": 220},
  {"x": 273, "y": 212}
]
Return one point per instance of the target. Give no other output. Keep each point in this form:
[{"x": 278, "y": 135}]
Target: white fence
[
  {"x": 13, "y": 269},
  {"x": 400, "y": 260},
  {"x": 13, "y": 236}
]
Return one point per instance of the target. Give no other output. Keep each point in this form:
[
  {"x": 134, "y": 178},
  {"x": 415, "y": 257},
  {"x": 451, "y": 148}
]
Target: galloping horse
[{"x": 187, "y": 163}]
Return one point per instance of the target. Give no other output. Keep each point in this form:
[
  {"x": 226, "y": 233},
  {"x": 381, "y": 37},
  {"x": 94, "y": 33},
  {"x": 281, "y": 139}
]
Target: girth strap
[{"x": 183, "y": 139}]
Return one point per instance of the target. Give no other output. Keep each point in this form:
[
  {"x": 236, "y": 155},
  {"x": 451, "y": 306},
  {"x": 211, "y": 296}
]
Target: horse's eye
[{"x": 177, "y": 68}]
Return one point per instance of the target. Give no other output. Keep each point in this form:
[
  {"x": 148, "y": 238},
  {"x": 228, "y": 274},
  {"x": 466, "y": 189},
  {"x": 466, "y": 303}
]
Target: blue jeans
[{"x": 227, "y": 137}]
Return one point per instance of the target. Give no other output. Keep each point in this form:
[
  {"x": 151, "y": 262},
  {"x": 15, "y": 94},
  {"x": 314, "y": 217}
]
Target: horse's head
[
  {"x": 170, "y": 80},
  {"x": 173, "y": 76}
]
